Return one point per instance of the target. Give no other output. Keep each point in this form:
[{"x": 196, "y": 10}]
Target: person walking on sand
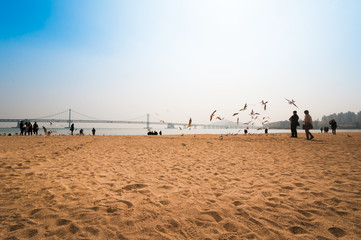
[
  {"x": 72, "y": 128},
  {"x": 307, "y": 125},
  {"x": 294, "y": 123},
  {"x": 333, "y": 124}
]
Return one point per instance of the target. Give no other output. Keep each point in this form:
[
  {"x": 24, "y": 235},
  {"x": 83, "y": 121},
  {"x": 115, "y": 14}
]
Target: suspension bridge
[{"x": 69, "y": 121}]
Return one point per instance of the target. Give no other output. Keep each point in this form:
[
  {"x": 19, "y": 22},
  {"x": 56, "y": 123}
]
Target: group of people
[
  {"x": 307, "y": 125},
  {"x": 154, "y": 132},
  {"x": 28, "y": 128}
]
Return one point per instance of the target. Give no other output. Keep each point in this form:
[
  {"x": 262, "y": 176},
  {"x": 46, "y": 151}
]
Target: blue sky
[{"x": 179, "y": 59}]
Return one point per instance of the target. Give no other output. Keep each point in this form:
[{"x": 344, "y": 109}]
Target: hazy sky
[{"x": 179, "y": 59}]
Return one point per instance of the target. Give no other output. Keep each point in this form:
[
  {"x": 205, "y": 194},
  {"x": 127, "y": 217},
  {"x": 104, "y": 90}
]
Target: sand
[{"x": 181, "y": 187}]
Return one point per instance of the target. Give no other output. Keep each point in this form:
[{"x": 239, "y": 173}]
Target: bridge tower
[
  {"x": 147, "y": 120},
  {"x": 69, "y": 117}
]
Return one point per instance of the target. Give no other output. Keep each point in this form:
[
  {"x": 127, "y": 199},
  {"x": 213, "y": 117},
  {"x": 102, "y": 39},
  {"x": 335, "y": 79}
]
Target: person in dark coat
[
  {"x": 294, "y": 123},
  {"x": 72, "y": 128},
  {"x": 29, "y": 128},
  {"x": 333, "y": 126},
  {"x": 35, "y": 128},
  {"x": 93, "y": 131},
  {"x": 22, "y": 127}
]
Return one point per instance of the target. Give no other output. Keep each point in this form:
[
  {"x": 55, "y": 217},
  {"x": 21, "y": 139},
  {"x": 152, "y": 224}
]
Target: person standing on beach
[
  {"x": 22, "y": 127},
  {"x": 93, "y": 131},
  {"x": 29, "y": 128},
  {"x": 72, "y": 128},
  {"x": 307, "y": 125},
  {"x": 333, "y": 126},
  {"x": 35, "y": 128},
  {"x": 294, "y": 123}
]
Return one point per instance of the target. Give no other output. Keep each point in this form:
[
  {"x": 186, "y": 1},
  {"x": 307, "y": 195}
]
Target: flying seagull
[
  {"x": 212, "y": 115},
  {"x": 253, "y": 113},
  {"x": 189, "y": 123},
  {"x": 291, "y": 102},
  {"x": 46, "y": 132},
  {"x": 264, "y": 104},
  {"x": 234, "y": 114},
  {"x": 244, "y": 108}
]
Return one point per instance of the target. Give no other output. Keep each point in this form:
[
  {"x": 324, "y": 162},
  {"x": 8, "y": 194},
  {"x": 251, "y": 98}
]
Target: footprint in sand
[
  {"x": 92, "y": 230},
  {"x": 214, "y": 215},
  {"x": 73, "y": 228},
  {"x": 297, "y": 230},
  {"x": 129, "y": 204},
  {"x": 230, "y": 227},
  {"x": 112, "y": 210},
  {"x": 31, "y": 232},
  {"x": 267, "y": 194},
  {"x": 337, "y": 232},
  {"x": 134, "y": 186},
  {"x": 62, "y": 222},
  {"x": 299, "y": 184},
  {"x": 16, "y": 227},
  {"x": 305, "y": 213},
  {"x": 237, "y": 203}
]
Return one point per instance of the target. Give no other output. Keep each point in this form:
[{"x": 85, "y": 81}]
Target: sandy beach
[{"x": 181, "y": 187}]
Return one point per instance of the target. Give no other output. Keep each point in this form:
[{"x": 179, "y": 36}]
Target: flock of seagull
[{"x": 254, "y": 115}]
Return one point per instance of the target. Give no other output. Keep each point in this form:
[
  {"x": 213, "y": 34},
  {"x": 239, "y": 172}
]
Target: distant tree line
[{"x": 348, "y": 120}]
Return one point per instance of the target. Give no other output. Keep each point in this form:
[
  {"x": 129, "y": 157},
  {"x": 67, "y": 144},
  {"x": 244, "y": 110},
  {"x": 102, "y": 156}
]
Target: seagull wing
[
  {"x": 45, "y": 130},
  {"x": 212, "y": 115},
  {"x": 189, "y": 123}
]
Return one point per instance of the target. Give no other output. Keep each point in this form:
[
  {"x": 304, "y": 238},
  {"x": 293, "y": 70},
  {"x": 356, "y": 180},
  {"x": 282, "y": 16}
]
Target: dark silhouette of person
[
  {"x": 81, "y": 132},
  {"x": 22, "y": 127},
  {"x": 72, "y": 128},
  {"x": 93, "y": 131},
  {"x": 35, "y": 128},
  {"x": 29, "y": 128},
  {"x": 266, "y": 130},
  {"x": 307, "y": 125},
  {"x": 321, "y": 129},
  {"x": 245, "y": 131},
  {"x": 160, "y": 132},
  {"x": 333, "y": 124},
  {"x": 294, "y": 123}
]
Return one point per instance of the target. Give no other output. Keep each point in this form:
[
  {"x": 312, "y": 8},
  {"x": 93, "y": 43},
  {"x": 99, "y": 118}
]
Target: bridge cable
[
  {"x": 140, "y": 117},
  {"x": 52, "y": 115},
  {"x": 85, "y": 115}
]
